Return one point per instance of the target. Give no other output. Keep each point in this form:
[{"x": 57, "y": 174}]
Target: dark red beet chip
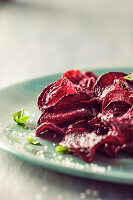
[
  {"x": 116, "y": 108},
  {"x": 115, "y": 96},
  {"x": 74, "y": 76},
  {"x": 44, "y": 127},
  {"x": 125, "y": 84},
  {"x": 69, "y": 101},
  {"x": 54, "y": 92},
  {"x": 85, "y": 80},
  {"x": 91, "y": 74},
  {"x": 71, "y": 116},
  {"x": 105, "y": 83},
  {"x": 45, "y": 97},
  {"x": 116, "y": 102},
  {"x": 84, "y": 143},
  {"x": 123, "y": 125}
]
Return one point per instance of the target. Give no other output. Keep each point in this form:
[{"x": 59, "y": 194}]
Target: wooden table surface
[{"x": 47, "y": 36}]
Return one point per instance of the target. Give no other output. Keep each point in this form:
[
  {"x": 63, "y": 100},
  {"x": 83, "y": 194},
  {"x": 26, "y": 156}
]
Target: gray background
[{"x": 40, "y": 37}]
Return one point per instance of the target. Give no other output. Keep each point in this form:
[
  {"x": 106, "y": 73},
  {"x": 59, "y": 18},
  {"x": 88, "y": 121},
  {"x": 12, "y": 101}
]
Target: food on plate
[
  {"x": 20, "y": 117},
  {"x": 86, "y": 114}
]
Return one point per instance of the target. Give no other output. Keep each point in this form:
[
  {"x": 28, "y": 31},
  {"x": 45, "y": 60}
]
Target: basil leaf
[
  {"x": 129, "y": 77},
  {"x": 21, "y": 116},
  {"x": 31, "y": 140},
  {"x": 61, "y": 149}
]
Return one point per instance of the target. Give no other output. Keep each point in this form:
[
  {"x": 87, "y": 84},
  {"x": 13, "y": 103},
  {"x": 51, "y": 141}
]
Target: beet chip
[
  {"x": 63, "y": 117},
  {"x": 50, "y": 132},
  {"x": 54, "y": 92},
  {"x": 125, "y": 84},
  {"x": 85, "y": 143},
  {"x": 85, "y": 80},
  {"x": 105, "y": 83}
]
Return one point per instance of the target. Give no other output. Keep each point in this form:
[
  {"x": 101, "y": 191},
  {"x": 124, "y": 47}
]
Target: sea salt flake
[
  {"x": 14, "y": 132},
  {"x": 40, "y": 154},
  {"x": 45, "y": 147},
  {"x": 54, "y": 154},
  {"x": 60, "y": 157}
]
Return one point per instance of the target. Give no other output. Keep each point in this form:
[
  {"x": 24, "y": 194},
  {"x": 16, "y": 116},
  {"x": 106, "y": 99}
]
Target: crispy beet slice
[
  {"x": 116, "y": 102},
  {"x": 44, "y": 98},
  {"x": 88, "y": 85},
  {"x": 85, "y": 143},
  {"x": 105, "y": 83},
  {"x": 74, "y": 76},
  {"x": 95, "y": 103},
  {"x": 127, "y": 116},
  {"x": 125, "y": 84},
  {"x": 51, "y": 135},
  {"x": 48, "y": 126},
  {"x": 50, "y": 132},
  {"x": 71, "y": 116},
  {"x": 98, "y": 126},
  {"x": 124, "y": 126},
  {"x": 115, "y": 96},
  {"x": 54, "y": 92},
  {"x": 116, "y": 109},
  {"x": 75, "y": 111},
  {"x": 85, "y": 80},
  {"x": 64, "y": 105},
  {"x": 69, "y": 101},
  {"x": 91, "y": 74}
]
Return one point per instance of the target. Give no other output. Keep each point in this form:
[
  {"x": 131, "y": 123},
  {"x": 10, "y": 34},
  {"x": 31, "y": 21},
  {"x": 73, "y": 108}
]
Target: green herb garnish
[
  {"x": 61, "y": 149},
  {"x": 31, "y": 140},
  {"x": 129, "y": 77},
  {"x": 21, "y": 116}
]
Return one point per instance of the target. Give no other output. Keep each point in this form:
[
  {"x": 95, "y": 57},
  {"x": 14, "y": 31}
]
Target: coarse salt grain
[
  {"x": 45, "y": 147},
  {"x": 54, "y": 154},
  {"x": 14, "y": 132},
  {"x": 40, "y": 154},
  {"x": 60, "y": 157}
]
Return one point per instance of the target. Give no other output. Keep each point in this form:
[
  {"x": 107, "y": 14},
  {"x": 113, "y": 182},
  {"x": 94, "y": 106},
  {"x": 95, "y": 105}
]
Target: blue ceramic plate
[{"x": 12, "y": 137}]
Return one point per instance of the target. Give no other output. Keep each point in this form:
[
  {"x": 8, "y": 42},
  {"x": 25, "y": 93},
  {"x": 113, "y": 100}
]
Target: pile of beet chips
[{"x": 86, "y": 113}]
